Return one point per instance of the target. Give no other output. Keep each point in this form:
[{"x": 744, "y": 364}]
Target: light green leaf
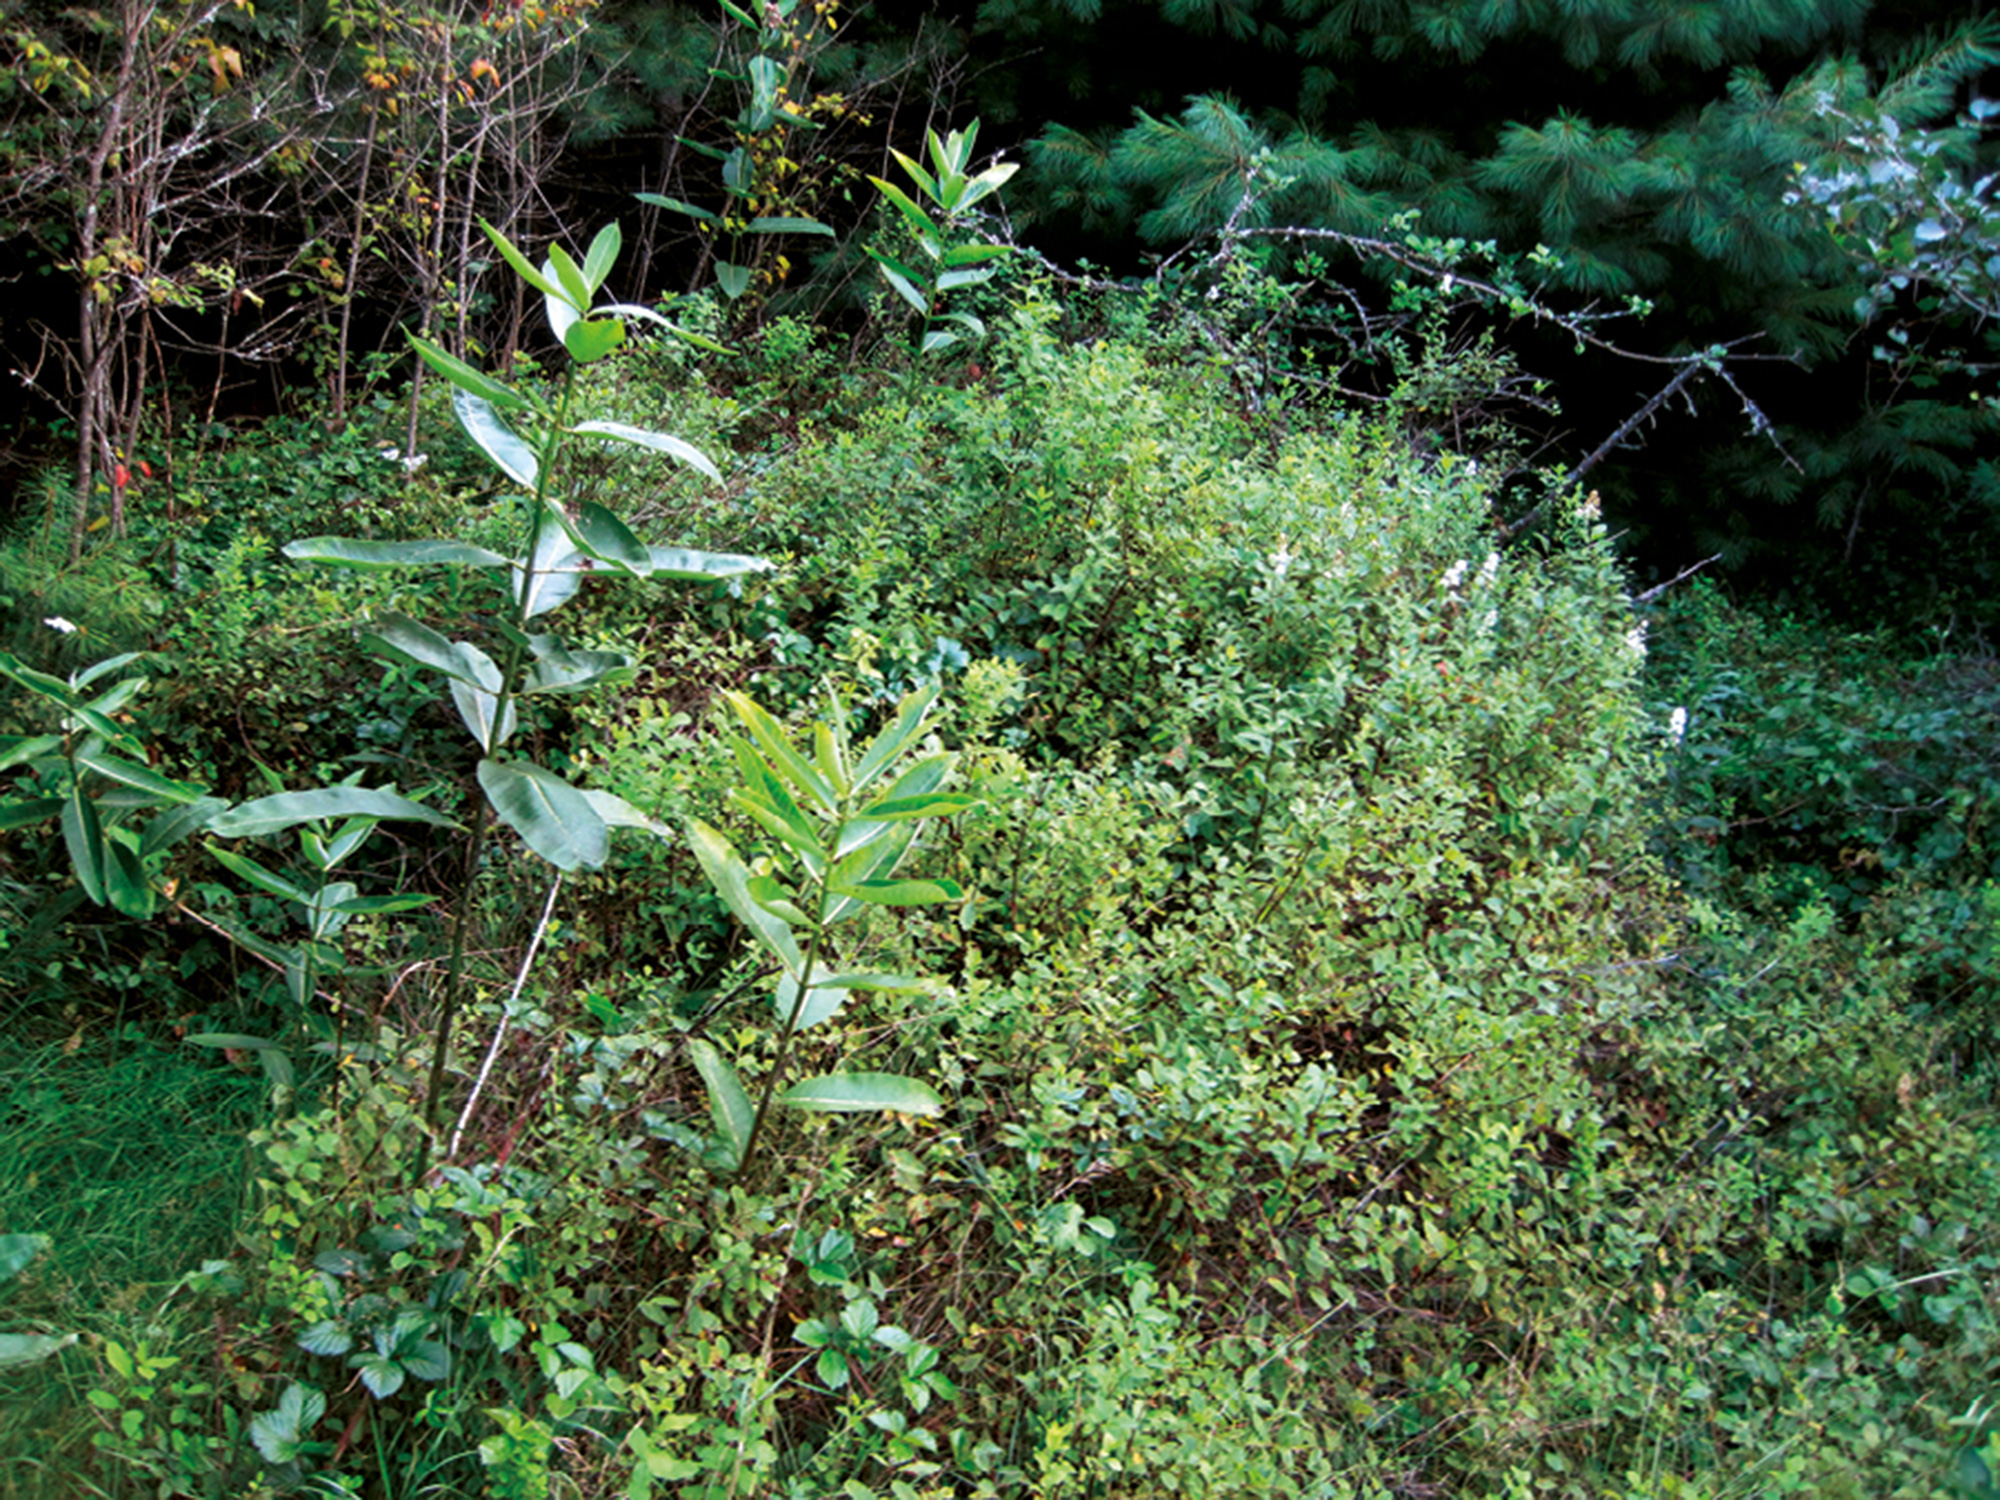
[
  {"x": 262, "y": 815},
  {"x": 602, "y": 256},
  {"x": 130, "y": 773},
  {"x": 590, "y": 339},
  {"x": 820, "y": 1005},
  {"x": 618, "y": 813},
  {"x": 17, "y": 1251},
  {"x": 972, "y": 255},
  {"x": 951, "y": 281},
  {"x": 659, "y": 442},
  {"x": 925, "y": 805},
  {"x": 349, "y": 552},
  {"x": 733, "y": 279},
  {"x": 894, "y": 737},
  {"x": 83, "y": 679},
  {"x": 854, "y": 1093},
  {"x": 19, "y": 1349},
  {"x": 726, "y": 872},
  {"x": 361, "y": 906},
  {"x": 558, "y": 568},
  {"x": 630, "y": 310},
  {"x": 475, "y": 690},
  {"x": 699, "y": 215},
  {"x": 938, "y": 338},
  {"x": 53, "y": 688},
  {"x": 687, "y": 564},
  {"x": 778, "y": 815},
  {"x": 603, "y": 536},
  {"x": 562, "y": 265},
  {"x": 465, "y": 378},
  {"x": 520, "y": 263},
  {"x": 562, "y": 317},
  {"x": 897, "y": 892},
  {"x": 728, "y": 1105},
  {"x": 793, "y": 766},
  {"x": 495, "y": 438},
  {"x": 789, "y": 226},
  {"x": 553, "y": 817}
]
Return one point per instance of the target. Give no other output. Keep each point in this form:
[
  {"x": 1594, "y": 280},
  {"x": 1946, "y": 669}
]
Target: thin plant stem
[{"x": 500, "y": 1031}]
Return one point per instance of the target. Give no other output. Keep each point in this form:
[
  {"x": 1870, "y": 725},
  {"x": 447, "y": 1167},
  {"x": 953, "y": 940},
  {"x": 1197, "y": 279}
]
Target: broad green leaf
[
  {"x": 569, "y": 275},
  {"x": 830, "y": 753},
  {"x": 262, "y": 815},
  {"x": 726, "y": 872},
  {"x": 939, "y": 338},
  {"x": 475, "y": 691},
  {"x": 590, "y": 339},
  {"x": 699, "y": 215},
  {"x": 659, "y": 442},
  {"x": 132, "y": 774},
  {"x": 894, "y": 737},
  {"x": 17, "y": 750},
  {"x": 925, "y": 805},
  {"x": 951, "y": 281},
  {"x": 562, "y": 317},
  {"x": 257, "y": 875},
  {"x": 990, "y": 181},
  {"x": 400, "y": 638},
  {"x": 793, "y": 766},
  {"x": 820, "y": 1004},
  {"x": 603, "y": 536},
  {"x": 20, "y": 1349},
  {"x": 350, "y": 552},
  {"x": 728, "y": 1105},
  {"x": 897, "y": 892},
  {"x": 495, "y": 438},
  {"x": 382, "y": 1376},
  {"x": 854, "y": 1093},
  {"x": 687, "y": 564},
  {"x": 790, "y": 226},
  {"x": 865, "y": 979},
  {"x": 177, "y": 823},
  {"x": 17, "y": 1251},
  {"x": 26, "y": 814},
  {"x": 733, "y": 279},
  {"x": 926, "y": 184},
  {"x": 766, "y": 78},
  {"x": 553, "y": 817},
  {"x": 98, "y": 724},
  {"x": 560, "y": 670},
  {"x": 602, "y": 256},
  {"x": 519, "y": 262},
  {"x": 558, "y": 567},
  {"x": 84, "y": 836},
  {"x": 618, "y": 813},
  {"x": 465, "y": 378}
]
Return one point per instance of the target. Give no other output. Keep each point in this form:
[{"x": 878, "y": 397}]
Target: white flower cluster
[
  {"x": 1454, "y": 577},
  {"x": 60, "y": 626},
  {"x": 411, "y": 462},
  {"x": 1677, "y": 726},
  {"x": 1635, "y": 640},
  {"x": 1281, "y": 560}
]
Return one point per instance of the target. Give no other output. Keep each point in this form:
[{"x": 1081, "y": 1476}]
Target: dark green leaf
[
  {"x": 263, "y": 815},
  {"x": 789, "y": 226},
  {"x": 700, "y": 216},
  {"x": 603, "y": 536},
  {"x": 27, "y": 814},
  {"x": 399, "y": 638},
  {"x": 84, "y": 836},
  {"x": 132, "y": 774}
]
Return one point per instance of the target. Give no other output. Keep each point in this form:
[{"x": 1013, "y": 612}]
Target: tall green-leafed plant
[
  {"x": 843, "y": 824},
  {"x": 563, "y": 537},
  {"x": 949, "y": 262}
]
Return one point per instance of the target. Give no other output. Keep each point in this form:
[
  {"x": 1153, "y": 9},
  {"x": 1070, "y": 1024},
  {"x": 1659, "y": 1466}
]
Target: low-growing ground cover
[{"x": 1382, "y": 1050}]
